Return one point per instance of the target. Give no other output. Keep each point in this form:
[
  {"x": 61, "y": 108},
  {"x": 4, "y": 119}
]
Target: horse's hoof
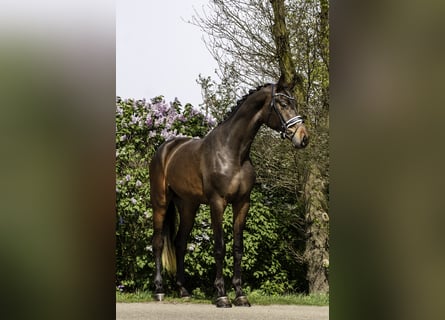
[
  {"x": 223, "y": 302},
  {"x": 159, "y": 296},
  {"x": 183, "y": 293},
  {"x": 241, "y": 301}
]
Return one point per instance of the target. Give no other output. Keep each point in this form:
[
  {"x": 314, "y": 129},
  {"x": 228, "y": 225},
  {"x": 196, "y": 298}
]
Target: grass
[
  {"x": 255, "y": 298},
  {"x": 258, "y": 298}
]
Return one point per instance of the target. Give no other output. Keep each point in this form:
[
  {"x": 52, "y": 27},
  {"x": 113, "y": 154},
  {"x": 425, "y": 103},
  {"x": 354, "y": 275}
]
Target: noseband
[{"x": 285, "y": 125}]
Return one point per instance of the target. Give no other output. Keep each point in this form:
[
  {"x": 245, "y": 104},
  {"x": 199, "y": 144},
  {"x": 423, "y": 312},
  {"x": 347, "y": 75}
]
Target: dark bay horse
[{"x": 215, "y": 170}]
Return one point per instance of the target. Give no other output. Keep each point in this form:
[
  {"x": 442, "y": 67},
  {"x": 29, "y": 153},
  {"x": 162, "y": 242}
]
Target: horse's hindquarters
[{"x": 183, "y": 171}]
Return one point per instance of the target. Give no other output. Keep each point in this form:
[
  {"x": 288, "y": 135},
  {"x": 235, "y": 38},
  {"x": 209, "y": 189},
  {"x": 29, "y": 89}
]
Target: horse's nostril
[{"x": 304, "y": 141}]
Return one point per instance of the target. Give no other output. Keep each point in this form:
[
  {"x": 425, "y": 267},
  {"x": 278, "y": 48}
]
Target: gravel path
[{"x": 167, "y": 311}]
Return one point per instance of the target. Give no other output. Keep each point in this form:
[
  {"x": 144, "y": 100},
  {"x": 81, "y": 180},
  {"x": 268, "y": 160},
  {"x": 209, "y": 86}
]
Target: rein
[{"x": 285, "y": 125}]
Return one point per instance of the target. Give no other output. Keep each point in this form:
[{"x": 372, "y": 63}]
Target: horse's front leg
[
  {"x": 217, "y": 208},
  {"x": 240, "y": 210}
]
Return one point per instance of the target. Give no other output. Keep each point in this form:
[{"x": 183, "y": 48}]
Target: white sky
[{"x": 158, "y": 52}]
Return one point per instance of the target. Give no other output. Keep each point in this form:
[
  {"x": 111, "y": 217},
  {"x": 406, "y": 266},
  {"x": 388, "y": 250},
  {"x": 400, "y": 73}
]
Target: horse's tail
[{"x": 168, "y": 251}]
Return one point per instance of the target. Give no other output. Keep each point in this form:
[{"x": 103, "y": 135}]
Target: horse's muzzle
[{"x": 300, "y": 139}]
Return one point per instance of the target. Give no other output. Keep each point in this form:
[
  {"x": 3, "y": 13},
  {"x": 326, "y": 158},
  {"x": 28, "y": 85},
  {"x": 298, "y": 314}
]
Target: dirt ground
[{"x": 167, "y": 311}]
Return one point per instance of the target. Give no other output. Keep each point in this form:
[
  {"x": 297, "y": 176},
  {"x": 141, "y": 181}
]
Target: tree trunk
[
  {"x": 316, "y": 254},
  {"x": 280, "y": 34},
  {"x": 316, "y": 219},
  {"x": 281, "y": 38}
]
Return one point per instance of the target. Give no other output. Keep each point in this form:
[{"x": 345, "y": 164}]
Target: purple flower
[
  {"x": 160, "y": 109},
  {"x": 181, "y": 118},
  {"x": 134, "y": 119},
  {"x": 211, "y": 121},
  {"x": 138, "y": 183},
  {"x": 193, "y": 112},
  {"x": 165, "y": 134},
  {"x": 133, "y": 200},
  {"x": 158, "y": 122},
  {"x": 128, "y": 177},
  {"x": 169, "y": 119}
]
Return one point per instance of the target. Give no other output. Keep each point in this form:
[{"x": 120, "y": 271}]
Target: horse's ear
[
  {"x": 280, "y": 83},
  {"x": 285, "y": 85}
]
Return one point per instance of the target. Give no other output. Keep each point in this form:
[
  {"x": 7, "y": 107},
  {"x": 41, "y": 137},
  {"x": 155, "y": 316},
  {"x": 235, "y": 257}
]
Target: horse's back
[{"x": 165, "y": 150}]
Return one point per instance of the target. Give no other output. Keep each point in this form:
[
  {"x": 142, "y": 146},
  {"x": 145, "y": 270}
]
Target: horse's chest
[{"x": 232, "y": 184}]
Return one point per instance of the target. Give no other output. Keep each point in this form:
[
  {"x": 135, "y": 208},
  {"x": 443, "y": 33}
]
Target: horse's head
[{"x": 283, "y": 117}]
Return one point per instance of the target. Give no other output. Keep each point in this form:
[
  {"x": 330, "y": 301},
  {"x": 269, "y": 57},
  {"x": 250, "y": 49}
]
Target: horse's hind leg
[
  {"x": 159, "y": 214},
  {"x": 159, "y": 201},
  {"x": 187, "y": 213}
]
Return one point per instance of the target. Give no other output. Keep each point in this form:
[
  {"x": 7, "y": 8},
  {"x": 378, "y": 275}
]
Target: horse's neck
[{"x": 238, "y": 132}]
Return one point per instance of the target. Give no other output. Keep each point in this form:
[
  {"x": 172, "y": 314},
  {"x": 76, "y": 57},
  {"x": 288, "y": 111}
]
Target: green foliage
[
  {"x": 265, "y": 261},
  {"x": 141, "y": 127},
  {"x": 219, "y": 97}
]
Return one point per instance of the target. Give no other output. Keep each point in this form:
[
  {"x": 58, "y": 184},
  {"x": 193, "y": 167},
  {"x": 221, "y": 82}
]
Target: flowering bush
[{"x": 141, "y": 127}]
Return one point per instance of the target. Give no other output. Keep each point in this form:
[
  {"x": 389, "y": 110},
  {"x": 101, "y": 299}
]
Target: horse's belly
[{"x": 186, "y": 186}]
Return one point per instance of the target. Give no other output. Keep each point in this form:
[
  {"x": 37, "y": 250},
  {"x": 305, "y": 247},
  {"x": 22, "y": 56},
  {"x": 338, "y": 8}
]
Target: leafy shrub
[{"x": 141, "y": 127}]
